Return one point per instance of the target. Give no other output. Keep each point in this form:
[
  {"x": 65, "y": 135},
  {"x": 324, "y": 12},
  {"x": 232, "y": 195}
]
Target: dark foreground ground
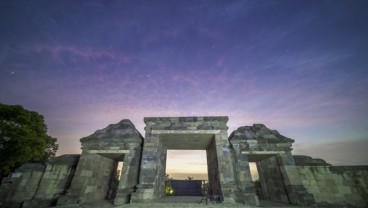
[{"x": 183, "y": 202}]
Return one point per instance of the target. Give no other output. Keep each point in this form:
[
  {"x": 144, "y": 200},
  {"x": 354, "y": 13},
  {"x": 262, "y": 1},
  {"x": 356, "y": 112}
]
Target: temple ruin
[{"x": 89, "y": 177}]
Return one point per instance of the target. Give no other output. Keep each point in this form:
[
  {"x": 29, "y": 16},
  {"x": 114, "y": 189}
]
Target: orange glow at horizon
[{"x": 181, "y": 164}]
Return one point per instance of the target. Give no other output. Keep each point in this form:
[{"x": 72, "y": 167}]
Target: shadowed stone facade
[
  {"x": 73, "y": 180},
  {"x": 97, "y": 166},
  {"x": 277, "y": 170}
]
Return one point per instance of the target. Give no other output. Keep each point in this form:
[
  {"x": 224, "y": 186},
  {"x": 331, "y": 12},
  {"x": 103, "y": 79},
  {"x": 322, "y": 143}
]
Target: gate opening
[
  {"x": 186, "y": 172},
  {"x": 119, "y": 169},
  {"x": 114, "y": 180},
  {"x": 253, "y": 171}
]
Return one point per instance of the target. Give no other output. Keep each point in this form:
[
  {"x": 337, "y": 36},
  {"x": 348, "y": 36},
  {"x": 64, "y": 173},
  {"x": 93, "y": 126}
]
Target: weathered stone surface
[
  {"x": 264, "y": 138},
  {"x": 38, "y": 185},
  {"x": 55, "y": 181},
  {"x": 335, "y": 185},
  {"x": 21, "y": 185},
  {"x": 87, "y": 180},
  {"x": 122, "y": 130},
  {"x": 302, "y": 160},
  {"x": 276, "y": 166},
  {"x": 95, "y": 173},
  {"x": 162, "y": 133},
  {"x": 186, "y": 123}
]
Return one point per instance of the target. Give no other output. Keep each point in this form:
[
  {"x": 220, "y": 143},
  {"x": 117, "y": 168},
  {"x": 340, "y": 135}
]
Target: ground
[{"x": 183, "y": 202}]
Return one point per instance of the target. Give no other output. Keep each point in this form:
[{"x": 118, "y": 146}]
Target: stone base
[
  {"x": 39, "y": 203},
  {"x": 67, "y": 200},
  {"x": 252, "y": 200},
  {"x": 123, "y": 196},
  {"x": 11, "y": 204},
  {"x": 243, "y": 198},
  {"x": 143, "y": 195},
  {"x": 121, "y": 200}
]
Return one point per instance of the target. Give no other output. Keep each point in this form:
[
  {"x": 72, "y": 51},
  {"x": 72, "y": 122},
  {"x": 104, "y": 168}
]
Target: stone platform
[{"x": 181, "y": 202}]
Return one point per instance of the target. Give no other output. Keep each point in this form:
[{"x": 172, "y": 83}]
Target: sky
[{"x": 300, "y": 67}]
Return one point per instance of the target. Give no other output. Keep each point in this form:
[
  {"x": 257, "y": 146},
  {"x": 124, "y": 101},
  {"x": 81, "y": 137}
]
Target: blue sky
[{"x": 299, "y": 67}]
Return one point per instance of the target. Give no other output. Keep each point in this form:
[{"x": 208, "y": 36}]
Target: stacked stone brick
[{"x": 74, "y": 180}]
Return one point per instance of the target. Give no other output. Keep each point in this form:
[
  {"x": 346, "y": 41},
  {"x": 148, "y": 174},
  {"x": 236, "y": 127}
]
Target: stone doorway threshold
[
  {"x": 179, "y": 199},
  {"x": 266, "y": 203}
]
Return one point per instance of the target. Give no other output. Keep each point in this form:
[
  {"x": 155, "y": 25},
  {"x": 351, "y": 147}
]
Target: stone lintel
[
  {"x": 256, "y": 156},
  {"x": 187, "y": 119},
  {"x": 262, "y": 152},
  {"x": 185, "y": 131},
  {"x": 108, "y": 151},
  {"x": 117, "y": 155}
]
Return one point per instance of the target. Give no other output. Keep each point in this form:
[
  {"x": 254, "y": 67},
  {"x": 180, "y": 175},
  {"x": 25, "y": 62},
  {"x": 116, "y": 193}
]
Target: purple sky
[{"x": 300, "y": 67}]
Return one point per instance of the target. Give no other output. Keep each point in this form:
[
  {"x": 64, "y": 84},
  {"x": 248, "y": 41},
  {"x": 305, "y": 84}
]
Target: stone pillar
[
  {"x": 148, "y": 174},
  {"x": 246, "y": 192},
  {"x": 129, "y": 176},
  {"x": 225, "y": 166},
  {"x": 213, "y": 170},
  {"x": 161, "y": 171},
  {"x": 264, "y": 195},
  {"x": 272, "y": 180}
]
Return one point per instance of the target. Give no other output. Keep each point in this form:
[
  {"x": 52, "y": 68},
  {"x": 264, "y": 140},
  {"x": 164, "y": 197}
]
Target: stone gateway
[{"x": 70, "y": 180}]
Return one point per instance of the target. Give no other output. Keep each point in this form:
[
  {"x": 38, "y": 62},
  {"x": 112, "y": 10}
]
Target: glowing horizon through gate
[{"x": 193, "y": 164}]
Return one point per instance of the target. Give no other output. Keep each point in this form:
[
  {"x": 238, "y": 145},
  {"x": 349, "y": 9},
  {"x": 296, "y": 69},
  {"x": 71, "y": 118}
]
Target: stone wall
[
  {"x": 334, "y": 185},
  {"x": 22, "y": 185},
  {"x": 91, "y": 180},
  {"x": 55, "y": 181}
]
